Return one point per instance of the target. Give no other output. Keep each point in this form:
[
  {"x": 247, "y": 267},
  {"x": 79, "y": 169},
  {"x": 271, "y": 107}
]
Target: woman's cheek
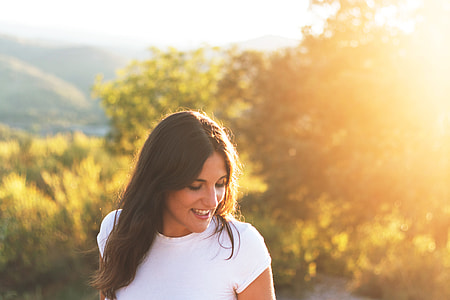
[{"x": 220, "y": 194}]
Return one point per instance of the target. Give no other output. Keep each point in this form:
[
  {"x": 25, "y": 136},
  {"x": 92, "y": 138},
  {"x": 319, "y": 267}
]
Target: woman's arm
[{"x": 261, "y": 288}]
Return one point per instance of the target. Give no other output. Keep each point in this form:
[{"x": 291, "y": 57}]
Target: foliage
[
  {"x": 25, "y": 210},
  {"x": 52, "y": 196},
  {"x": 146, "y": 90},
  {"x": 390, "y": 263},
  {"x": 345, "y": 133}
]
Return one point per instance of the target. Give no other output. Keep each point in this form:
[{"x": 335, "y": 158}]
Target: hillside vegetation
[
  {"x": 31, "y": 93},
  {"x": 48, "y": 88}
]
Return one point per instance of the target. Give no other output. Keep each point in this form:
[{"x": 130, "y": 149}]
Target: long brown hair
[{"x": 171, "y": 159}]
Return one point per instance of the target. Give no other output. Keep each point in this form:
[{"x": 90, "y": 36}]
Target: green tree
[
  {"x": 349, "y": 129},
  {"x": 145, "y": 90},
  {"x": 53, "y": 193}
]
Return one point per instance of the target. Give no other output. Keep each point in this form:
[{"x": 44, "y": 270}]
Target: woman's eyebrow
[{"x": 203, "y": 180}]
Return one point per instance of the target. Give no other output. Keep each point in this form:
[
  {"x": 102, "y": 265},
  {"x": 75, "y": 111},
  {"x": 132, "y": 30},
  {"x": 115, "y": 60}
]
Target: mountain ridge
[
  {"x": 44, "y": 84},
  {"x": 48, "y": 86}
]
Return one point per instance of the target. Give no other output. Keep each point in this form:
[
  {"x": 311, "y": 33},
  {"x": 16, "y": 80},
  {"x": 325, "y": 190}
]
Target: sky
[{"x": 169, "y": 22}]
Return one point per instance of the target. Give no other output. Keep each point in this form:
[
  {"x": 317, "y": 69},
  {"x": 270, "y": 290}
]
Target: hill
[
  {"x": 46, "y": 87},
  {"x": 73, "y": 63},
  {"x": 30, "y": 97}
]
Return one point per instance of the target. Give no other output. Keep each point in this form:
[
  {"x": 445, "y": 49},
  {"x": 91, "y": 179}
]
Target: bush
[
  {"x": 393, "y": 264},
  {"x": 54, "y": 193},
  {"x": 28, "y": 236}
]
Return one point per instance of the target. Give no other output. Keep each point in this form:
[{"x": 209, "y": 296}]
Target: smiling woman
[
  {"x": 192, "y": 208},
  {"x": 175, "y": 235}
]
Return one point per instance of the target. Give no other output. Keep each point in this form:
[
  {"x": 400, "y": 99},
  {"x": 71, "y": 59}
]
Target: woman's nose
[{"x": 211, "y": 198}]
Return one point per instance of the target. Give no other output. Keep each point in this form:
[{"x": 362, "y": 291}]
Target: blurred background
[{"x": 340, "y": 111}]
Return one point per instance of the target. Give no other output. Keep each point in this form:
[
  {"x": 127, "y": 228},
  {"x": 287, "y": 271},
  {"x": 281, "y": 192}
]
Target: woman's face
[{"x": 192, "y": 208}]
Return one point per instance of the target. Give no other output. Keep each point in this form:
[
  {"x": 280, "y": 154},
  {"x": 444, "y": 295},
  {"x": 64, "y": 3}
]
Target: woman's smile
[
  {"x": 192, "y": 208},
  {"x": 201, "y": 212}
]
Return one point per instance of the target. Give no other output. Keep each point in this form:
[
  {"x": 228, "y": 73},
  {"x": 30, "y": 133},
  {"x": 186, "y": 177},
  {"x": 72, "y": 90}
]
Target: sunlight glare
[{"x": 196, "y": 21}]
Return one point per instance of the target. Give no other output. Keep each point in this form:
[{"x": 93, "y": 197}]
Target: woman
[{"x": 175, "y": 236}]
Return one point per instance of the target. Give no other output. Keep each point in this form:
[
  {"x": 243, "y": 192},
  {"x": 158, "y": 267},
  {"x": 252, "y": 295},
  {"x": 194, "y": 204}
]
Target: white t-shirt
[{"x": 195, "y": 266}]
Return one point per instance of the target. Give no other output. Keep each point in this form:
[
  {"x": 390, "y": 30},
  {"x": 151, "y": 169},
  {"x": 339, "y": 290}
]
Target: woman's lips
[{"x": 202, "y": 213}]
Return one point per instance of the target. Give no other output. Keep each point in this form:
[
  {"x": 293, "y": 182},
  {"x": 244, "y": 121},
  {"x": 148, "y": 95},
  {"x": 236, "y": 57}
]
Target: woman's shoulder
[
  {"x": 240, "y": 226},
  {"x": 108, "y": 223},
  {"x": 251, "y": 251},
  {"x": 106, "y": 227},
  {"x": 245, "y": 229},
  {"x": 111, "y": 218}
]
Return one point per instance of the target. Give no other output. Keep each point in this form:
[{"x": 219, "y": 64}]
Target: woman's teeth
[{"x": 201, "y": 212}]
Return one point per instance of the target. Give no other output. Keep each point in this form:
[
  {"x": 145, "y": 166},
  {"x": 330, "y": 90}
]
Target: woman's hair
[{"x": 171, "y": 159}]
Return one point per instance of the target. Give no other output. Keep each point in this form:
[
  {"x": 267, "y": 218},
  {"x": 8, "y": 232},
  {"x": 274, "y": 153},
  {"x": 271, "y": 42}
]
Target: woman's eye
[
  {"x": 220, "y": 184},
  {"x": 194, "y": 188}
]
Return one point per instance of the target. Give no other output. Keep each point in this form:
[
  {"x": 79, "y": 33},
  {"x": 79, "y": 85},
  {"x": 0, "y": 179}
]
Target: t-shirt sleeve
[
  {"x": 251, "y": 259},
  {"x": 105, "y": 229}
]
